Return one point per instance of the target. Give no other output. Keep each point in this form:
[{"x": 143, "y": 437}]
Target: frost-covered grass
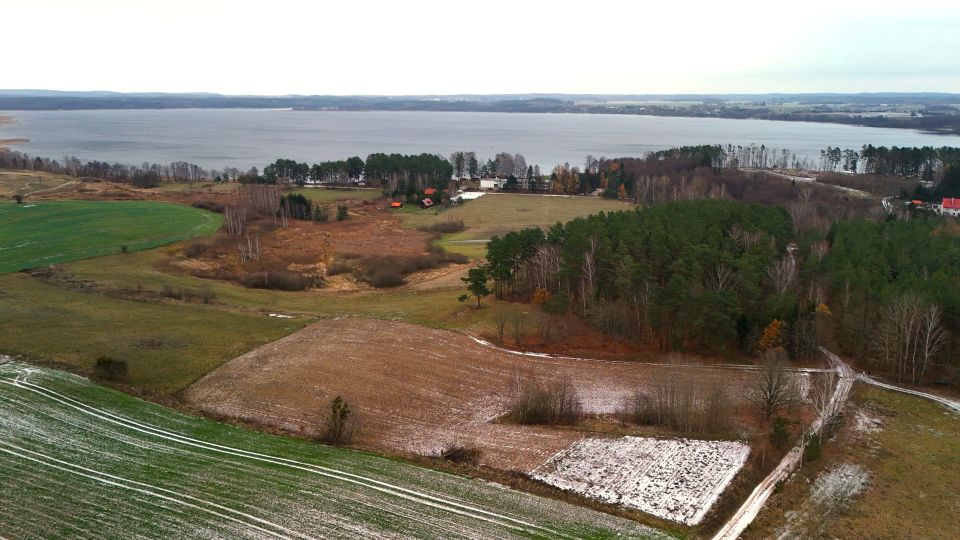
[
  {"x": 831, "y": 493},
  {"x": 674, "y": 479},
  {"x": 81, "y": 461}
]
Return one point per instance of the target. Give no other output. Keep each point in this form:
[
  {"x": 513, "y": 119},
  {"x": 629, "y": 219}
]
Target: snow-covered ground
[{"x": 675, "y": 479}]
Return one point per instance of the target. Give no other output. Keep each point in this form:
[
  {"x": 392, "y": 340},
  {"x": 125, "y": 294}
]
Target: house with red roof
[
  {"x": 950, "y": 207},
  {"x": 426, "y": 203},
  {"x": 429, "y": 191}
]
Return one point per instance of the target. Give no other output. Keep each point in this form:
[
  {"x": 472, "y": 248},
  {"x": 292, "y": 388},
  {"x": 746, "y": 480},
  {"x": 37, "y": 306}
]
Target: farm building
[
  {"x": 950, "y": 207},
  {"x": 396, "y": 205},
  {"x": 426, "y": 203}
]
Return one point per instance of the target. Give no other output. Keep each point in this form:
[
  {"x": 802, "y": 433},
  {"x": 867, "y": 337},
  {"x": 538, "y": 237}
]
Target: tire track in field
[
  {"x": 150, "y": 490},
  {"x": 351, "y": 478}
]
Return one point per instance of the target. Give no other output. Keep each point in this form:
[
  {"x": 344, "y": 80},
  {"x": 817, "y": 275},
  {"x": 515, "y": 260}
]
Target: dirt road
[
  {"x": 946, "y": 402},
  {"x": 751, "y": 507}
]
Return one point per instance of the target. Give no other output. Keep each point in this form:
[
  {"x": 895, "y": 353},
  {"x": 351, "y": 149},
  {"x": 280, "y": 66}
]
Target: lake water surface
[{"x": 249, "y": 137}]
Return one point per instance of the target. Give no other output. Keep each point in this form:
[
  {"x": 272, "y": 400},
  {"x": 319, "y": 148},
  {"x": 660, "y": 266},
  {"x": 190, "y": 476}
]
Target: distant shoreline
[{"x": 939, "y": 124}]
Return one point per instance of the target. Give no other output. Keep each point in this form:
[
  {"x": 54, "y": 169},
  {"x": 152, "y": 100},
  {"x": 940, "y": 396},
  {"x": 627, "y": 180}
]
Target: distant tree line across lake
[
  {"x": 936, "y": 113},
  {"x": 399, "y": 173}
]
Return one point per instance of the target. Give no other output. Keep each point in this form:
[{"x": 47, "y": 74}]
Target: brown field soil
[{"x": 417, "y": 390}]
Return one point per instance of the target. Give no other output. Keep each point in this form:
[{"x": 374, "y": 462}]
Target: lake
[{"x": 243, "y": 138}]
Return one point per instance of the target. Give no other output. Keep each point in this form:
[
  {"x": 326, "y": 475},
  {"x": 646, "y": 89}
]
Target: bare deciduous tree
[
  {"x": 771, "y": 388},
  {"x": 500, "y": 321},
  {"x": 519, "y": 330},
  {"x": 782, "y": 273}
]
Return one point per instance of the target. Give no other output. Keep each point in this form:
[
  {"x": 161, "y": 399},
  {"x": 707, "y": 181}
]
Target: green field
[
  {"x": 81, "y": 461},
  {"x": 49, "y": 232}
]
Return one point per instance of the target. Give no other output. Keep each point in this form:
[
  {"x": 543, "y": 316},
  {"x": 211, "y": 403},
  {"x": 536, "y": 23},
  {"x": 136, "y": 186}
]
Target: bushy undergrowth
[
  {"x": 682, "y": 405},
  {"x": 111, "y": 369},
  {"x": 469, "y": 455},
  {"x": 446, "y": 227},
  {"x": 546, "y": 402},
  {"x": 280, "y": 280},
  {"x": 391, "y": 270}
]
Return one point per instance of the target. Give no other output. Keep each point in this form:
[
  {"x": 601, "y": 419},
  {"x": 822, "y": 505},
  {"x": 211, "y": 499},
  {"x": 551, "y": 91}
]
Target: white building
[
  {"x": 491, "y": 183},
  {"x": 950, "y": 207}
]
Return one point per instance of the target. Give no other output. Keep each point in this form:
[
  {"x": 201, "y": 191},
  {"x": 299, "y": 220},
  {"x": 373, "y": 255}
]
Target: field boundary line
[{"x": 548, "y": 356}]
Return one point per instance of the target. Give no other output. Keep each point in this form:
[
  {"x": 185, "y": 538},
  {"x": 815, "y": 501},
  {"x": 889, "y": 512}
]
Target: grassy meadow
[
  {"x": 50, "y": 232},
  {"x": 914, "y": 466},
  {"x": 498, "y": 214},
  {"x": 26, "y": 182},
  {"x": 166, "y": 346}
]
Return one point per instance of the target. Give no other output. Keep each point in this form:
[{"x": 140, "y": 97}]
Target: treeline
[
  {"x": 681, "y": 274},
  {"x": 720, "y": 275},
  {"x": 146, "y": 175},
  {"x": 400, "y": 174},
  {"x": 288, "y": 171}
]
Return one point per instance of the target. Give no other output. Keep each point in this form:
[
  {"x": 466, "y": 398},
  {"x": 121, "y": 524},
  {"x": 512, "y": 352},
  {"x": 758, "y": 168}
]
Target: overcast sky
[{"x": 488, "y": 46}]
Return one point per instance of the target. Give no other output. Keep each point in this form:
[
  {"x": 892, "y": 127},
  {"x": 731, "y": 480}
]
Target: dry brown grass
[{"x": 417, "y": 390}]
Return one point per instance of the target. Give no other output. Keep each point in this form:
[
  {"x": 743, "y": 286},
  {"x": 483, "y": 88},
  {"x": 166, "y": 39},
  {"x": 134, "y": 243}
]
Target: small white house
[
  {"x": 950, "y": 207},
  {"x": 491, "y": 183}
]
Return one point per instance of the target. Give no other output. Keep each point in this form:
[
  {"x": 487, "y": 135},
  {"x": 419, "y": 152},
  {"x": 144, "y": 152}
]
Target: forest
[
  {"x": 673, "y": 274},
  {"x": 722, "y": 276}
]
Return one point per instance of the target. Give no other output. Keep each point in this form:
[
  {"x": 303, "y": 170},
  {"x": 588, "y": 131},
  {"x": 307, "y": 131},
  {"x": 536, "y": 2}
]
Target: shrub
[
  {"x": 124, "y": 248},
  {"x": 539, "y": 402},
  {"x": 557, "y": 303},
  {"x": 339, "y": 267},
  {"x": 321, "y": 213},
  {"x": 195, "y": 250},
  {"x": 385, "y": 277},
  {"x": 779, "y": 434},
  {"x": 812, "y": 451},
  {"x": 342, "y": 213},
  {"x": 446, "y": 227},
  {"x": 18, "y": 198},
  {"x": 280, "y": 280},
  {"x": 468, "y": 455},
  {"x": 682, "y": 405},
  {"x": 210, "y": 205},
  {"x": 340, "y": 422},
  {"x": 110, "y": 369}
]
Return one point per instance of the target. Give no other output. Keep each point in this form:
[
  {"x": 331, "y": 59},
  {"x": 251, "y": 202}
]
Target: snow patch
[
  {"x": 675, "y": 479},
  {"x": 865, "y": 423}
]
